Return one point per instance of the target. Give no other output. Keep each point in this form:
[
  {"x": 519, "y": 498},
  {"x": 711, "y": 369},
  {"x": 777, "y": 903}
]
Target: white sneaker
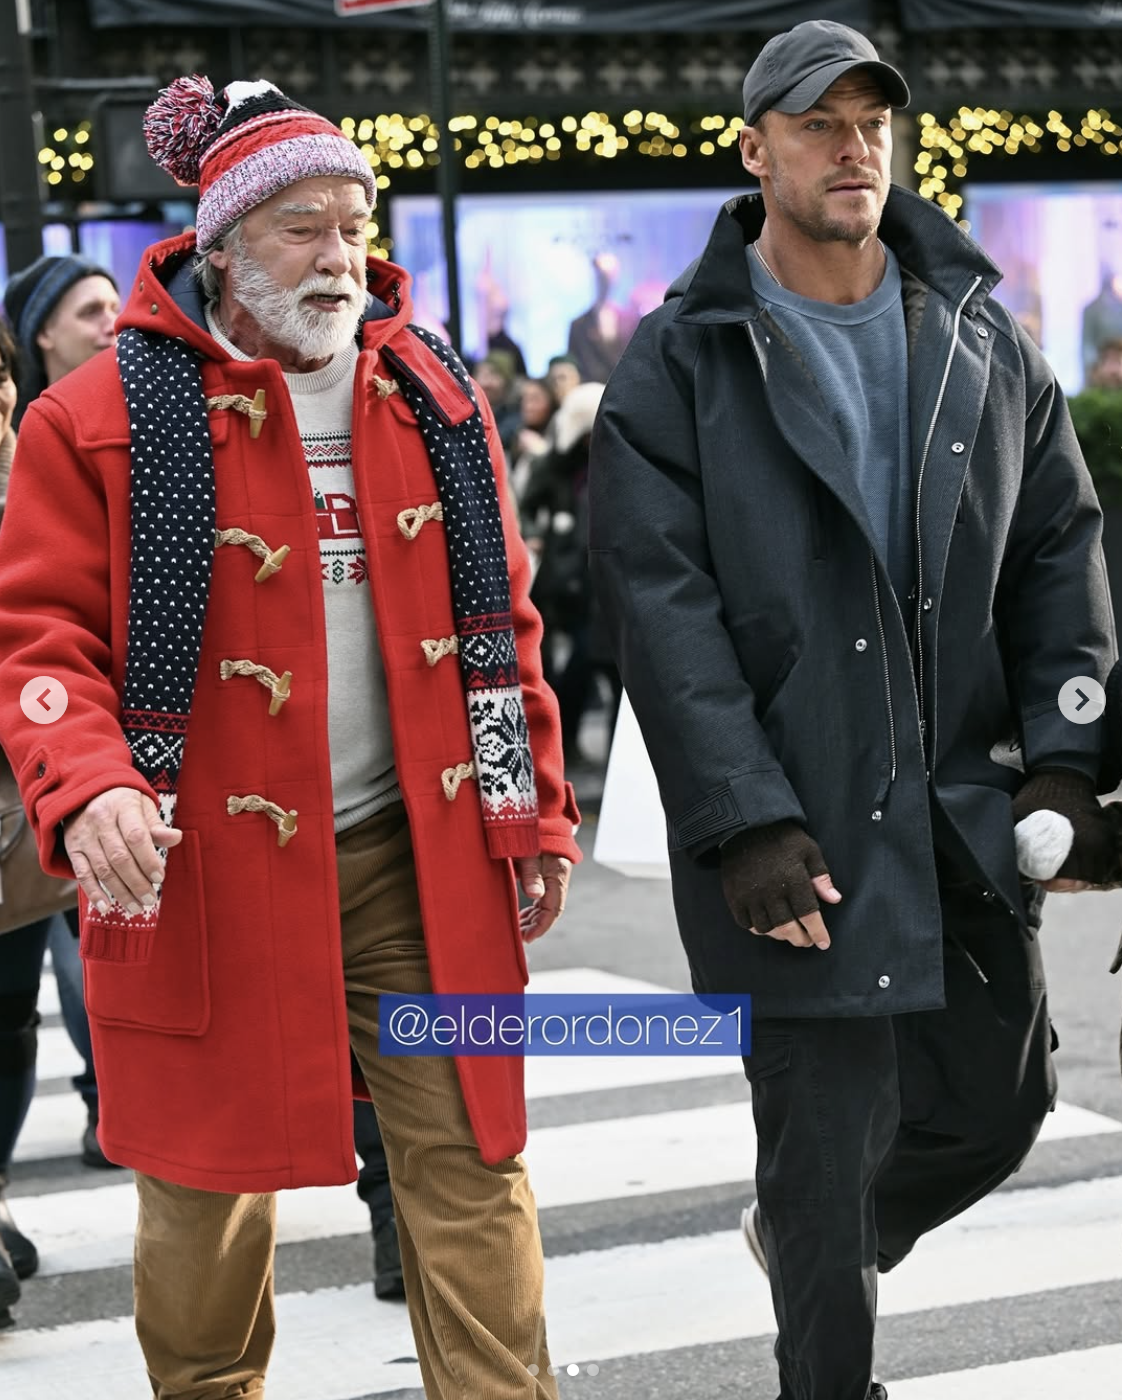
[{"x": 750, "y": 1224}]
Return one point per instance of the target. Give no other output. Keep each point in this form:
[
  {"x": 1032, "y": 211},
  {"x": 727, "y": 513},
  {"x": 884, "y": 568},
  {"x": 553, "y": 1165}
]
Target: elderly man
[
  {"x": 848, "y": 550},
  {"x": 306, "y": 748}
]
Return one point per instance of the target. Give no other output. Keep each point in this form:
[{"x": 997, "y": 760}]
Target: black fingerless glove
[
  {"x": 1094, "y": 855},
  {"x": 766, "y": 875}
]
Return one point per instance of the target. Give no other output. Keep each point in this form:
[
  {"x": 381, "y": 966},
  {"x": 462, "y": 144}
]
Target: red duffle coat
[{"x": 223, "y": 1060}]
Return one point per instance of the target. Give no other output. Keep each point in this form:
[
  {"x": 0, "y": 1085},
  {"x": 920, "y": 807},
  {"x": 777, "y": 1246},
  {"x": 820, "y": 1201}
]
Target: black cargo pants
[{"x": 874, "y": 1130}]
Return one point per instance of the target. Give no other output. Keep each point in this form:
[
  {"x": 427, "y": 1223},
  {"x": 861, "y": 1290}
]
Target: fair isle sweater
[{"x": 363, "y": 777}]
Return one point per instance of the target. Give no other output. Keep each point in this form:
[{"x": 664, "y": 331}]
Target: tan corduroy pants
[{"x": 469, "y": 1235}]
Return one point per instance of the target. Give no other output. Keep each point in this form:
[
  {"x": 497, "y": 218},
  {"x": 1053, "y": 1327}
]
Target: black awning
[
  {"x": 497, "y": 16},
  {"x": 1011, "y": 14}
]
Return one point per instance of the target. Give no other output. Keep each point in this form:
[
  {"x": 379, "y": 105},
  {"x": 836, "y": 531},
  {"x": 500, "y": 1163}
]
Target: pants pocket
[{"x": 769, "y": 1056}]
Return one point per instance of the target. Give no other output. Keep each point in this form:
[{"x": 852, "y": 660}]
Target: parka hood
[
  {"x": 166, "y": 297},
  {"x": 717, "y": 286}
]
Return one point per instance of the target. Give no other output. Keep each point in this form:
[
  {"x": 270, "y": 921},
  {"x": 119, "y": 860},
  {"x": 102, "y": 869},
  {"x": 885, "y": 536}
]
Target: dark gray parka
[{"x": 773, "y": 672}]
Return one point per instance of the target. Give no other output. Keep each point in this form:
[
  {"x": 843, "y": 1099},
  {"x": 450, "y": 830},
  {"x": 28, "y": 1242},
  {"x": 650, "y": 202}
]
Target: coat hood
[
  {"x": 717, "y": 286},
  {"x": 166, "y": 297}
]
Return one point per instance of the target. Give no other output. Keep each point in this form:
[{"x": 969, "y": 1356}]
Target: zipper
[
  {"x": 887, "y": 670},
  {"x": 967, "y": 955},
  {"x": 919, "y": 535}
]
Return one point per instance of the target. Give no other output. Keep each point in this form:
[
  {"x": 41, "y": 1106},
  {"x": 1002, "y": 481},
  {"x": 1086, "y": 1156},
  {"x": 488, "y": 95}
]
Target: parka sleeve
[
  {"x": 55, "y": 622},
  {"x": 1053, "y": 607},
  {"x": 717, "y": 772},
  {"x": 557, "y": 806}
]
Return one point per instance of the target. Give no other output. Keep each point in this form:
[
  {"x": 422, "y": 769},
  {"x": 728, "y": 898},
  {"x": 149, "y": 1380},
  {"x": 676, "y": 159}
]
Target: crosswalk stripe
[
  {"x": 56, "y": 1056},
  {"x": 606, "y": 1160},
  {"x": 55, "y": 1122},
  {"x": 1094, "y": 1372},
  {"x": 49, "y": 1004},
  {"x": 641, "y": 1299},
  {"x": 318, "y": 1353}
]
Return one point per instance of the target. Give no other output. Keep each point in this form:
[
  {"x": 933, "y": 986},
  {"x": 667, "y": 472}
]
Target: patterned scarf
[
  {"x": 173, "y": 519},
  {"x": 172, "y": 501}
]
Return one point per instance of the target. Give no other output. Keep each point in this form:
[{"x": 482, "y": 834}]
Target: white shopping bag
[{"x": 631, "y": 832}]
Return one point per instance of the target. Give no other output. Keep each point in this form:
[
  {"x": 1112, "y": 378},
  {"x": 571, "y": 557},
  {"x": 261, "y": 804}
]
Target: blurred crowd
[{"x": 546, "y": 427}]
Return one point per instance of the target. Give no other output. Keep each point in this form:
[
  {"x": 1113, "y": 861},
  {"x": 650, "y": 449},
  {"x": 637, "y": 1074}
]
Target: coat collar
[{"x": 718, "y": 287}]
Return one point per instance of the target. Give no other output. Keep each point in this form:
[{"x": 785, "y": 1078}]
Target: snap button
[
  {"x": 861, "y": 644},
  {"x": 877, "y": 815},
  {"x": 989, "y": 895},
  {"x": 140, "y": 284},
  {"x": 41, "y": 771},
  {"x": 957, "y": 447},
  {"x": 927, "y": 605},
  {"x": 983, "y": 332},
  {"x": 884, "y": 980},
  {"x": 154, "y": 309}
]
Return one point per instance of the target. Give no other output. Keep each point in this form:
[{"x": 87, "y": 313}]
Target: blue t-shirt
[{"x": 858, "y": 356}]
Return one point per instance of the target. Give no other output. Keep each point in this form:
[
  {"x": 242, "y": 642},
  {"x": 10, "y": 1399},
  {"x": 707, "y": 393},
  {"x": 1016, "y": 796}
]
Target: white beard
[{"x": 281, "y": 314}]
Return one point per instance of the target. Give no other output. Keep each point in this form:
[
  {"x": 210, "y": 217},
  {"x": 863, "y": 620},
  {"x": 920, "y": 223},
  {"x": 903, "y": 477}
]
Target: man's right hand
[
  {"x": 773, "y": 878},
  {"x": 111, "y": 842}
]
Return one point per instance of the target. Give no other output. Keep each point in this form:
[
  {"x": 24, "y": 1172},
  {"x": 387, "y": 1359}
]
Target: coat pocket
[
  {"x": 170, "y": 990},
  {"x": 767, "y": 696}
]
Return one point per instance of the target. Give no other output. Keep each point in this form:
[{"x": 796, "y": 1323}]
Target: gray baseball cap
[{"x": 794, "y": 69}]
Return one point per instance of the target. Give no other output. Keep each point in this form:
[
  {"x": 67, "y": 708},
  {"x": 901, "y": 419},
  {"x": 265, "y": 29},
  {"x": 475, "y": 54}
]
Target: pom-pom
[
  {"x": 180, "y": 124},
  {"x": 1044, "y": 841}
]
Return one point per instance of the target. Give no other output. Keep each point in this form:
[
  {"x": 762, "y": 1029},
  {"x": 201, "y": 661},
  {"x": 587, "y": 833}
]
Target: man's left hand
[
  {"x": 1093, "y": 861},
  {"x": 545, "y": 880}
]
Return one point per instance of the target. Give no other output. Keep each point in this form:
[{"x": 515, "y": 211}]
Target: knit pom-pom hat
[{"x": 243, "y": 146}]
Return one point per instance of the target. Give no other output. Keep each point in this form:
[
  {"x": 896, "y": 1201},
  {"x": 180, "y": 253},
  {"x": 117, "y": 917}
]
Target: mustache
[
  {"x": 330, "y": 287},
  {"x": 866, "y": 177}
]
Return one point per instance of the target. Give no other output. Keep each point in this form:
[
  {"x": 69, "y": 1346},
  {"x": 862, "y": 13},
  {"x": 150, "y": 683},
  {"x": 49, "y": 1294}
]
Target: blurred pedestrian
[
  {"x": 375, "y": 1191},
  {"x": 599, "y": 336},
  {"x": 1106, "y": 372},
  {"x": 562, "y": 374},
  {"x": 555, "y": 526},
  {"x": 18, "y": 1258},
  {"x": 9, "y": 393},
  {"x": 825, "y": 649},
  {"x": 495, "y": 375},
  {"x": 61, "y": 309},
  {"x": 325, "y": 784},
  {"x": 536, "y": 409}
]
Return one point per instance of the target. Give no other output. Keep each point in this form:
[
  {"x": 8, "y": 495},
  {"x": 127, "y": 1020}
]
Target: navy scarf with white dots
[
  {"x": 173, "y": 520},
  {"x": 172, "y": 488}
]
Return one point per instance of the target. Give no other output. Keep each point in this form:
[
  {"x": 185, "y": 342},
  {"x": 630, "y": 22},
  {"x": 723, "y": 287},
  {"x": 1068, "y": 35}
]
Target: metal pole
[
  {"x": 439, "y": 53},
  {"x": 20, "y": 209}
]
